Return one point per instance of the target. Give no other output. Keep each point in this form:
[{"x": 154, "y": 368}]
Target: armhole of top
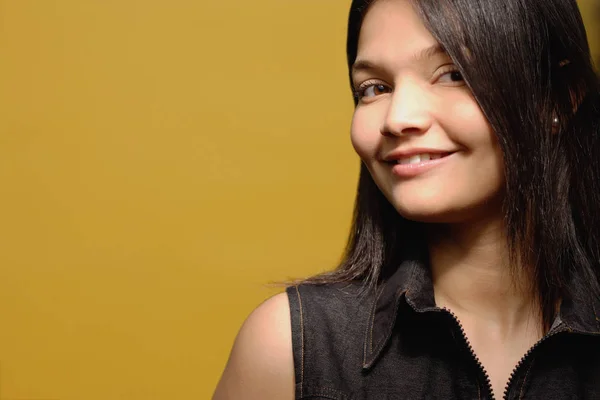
[{"x": 297, "y": 322}]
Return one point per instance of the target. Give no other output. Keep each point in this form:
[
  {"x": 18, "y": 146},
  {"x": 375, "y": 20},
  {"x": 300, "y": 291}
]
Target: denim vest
[{"x": 396, "y": 344}]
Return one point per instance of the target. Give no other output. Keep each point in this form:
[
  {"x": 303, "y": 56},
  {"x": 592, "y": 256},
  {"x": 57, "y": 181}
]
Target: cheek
[
  {"x": 485, "y": 158},
  {"x": 364, "y": 134},
  {"x": 469, "y": 127}
]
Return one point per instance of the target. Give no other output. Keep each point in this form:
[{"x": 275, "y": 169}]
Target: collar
[{"x": 412, "y": 284}]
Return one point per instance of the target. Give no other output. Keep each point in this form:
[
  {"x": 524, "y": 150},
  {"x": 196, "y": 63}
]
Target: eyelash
[{"x": 359, "y": 91}]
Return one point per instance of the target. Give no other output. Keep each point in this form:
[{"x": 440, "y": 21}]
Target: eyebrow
[{"x": 426, "y": 53}]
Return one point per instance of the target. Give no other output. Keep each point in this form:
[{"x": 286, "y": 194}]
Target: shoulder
[{"x": 261, "y": 363}]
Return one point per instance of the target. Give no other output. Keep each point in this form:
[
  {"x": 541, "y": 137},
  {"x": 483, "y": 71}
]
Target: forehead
[{"x": 392, "y": 30}]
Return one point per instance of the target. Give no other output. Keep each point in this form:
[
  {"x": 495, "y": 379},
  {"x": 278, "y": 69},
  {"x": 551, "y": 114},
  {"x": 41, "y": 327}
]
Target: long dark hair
[{"x": 526, "y": 63}]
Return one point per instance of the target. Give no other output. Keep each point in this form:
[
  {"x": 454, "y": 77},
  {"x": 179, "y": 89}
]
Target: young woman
[{"x": 472, "y": 266}]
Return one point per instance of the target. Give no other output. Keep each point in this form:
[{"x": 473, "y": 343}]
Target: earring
[{"x": 555, "y": 125}]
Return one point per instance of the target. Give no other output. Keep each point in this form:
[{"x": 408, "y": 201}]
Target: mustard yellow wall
[
  {"x": 590, "y": 9},
  {"x": 160, "y": 163}
]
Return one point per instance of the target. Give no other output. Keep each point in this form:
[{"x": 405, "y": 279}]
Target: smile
[{"x": 418, "y": 164}]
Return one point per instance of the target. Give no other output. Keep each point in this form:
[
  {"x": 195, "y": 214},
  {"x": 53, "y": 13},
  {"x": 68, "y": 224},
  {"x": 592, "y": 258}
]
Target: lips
[{"x": 410, "y": 166}]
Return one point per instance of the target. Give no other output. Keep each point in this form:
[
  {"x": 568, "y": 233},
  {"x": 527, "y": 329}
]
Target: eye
[
  {"x": 370, "y": 90},
  {"x": 452, "y": 76}
]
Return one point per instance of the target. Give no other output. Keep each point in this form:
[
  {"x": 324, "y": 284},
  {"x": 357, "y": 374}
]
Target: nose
[{"x": 408, "y": 112}]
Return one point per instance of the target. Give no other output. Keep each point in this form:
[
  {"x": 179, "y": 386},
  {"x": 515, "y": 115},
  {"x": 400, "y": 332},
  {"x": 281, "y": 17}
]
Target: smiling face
[{"x": 417, "y": 127}]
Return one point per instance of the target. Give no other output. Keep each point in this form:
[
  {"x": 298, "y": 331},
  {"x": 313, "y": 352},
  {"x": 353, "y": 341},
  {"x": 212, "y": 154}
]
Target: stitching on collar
[
  {"x": 369, "y": 358},
  {"x": 369, "y": 330}
]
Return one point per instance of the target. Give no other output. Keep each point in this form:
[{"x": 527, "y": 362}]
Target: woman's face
[{"x": 417, "y": 127}]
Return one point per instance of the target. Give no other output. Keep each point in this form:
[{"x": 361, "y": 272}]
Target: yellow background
[{"x": 160, "y": 163}]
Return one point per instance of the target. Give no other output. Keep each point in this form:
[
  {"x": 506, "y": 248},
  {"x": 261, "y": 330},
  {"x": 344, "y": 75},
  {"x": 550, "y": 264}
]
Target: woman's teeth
[{"x": 418, "y": 158}]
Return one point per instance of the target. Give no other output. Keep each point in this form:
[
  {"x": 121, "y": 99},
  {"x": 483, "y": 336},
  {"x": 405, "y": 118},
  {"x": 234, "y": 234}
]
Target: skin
[
  {"x": 413, "y": 97},
  {"x": 261, "y": 364}
]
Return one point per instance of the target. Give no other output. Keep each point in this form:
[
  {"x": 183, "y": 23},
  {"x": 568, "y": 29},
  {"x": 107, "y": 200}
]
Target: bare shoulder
[{"x": 261, "y": 364}]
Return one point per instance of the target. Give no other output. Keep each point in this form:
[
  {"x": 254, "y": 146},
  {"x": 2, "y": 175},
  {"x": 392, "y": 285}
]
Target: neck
[{"x": 472, "y": 275}]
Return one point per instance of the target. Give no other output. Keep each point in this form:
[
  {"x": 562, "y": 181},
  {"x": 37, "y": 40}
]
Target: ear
[{"x": 576, "y": 98}]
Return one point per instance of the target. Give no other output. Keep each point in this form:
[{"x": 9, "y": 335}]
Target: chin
[
  {"x": 419, "y": 210},
  {"x": 444, "y": 210},
  {"x": 429, "y": 216},
  {"x": 432, "y": 207},
  {"x": 438, "y": 202}
]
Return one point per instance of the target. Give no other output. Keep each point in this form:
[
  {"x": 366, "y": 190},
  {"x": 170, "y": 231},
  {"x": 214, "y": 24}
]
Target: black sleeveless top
[{"x": 396, "y": 344}]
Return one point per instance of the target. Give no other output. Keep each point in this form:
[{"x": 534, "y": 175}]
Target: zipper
[
  {"x": 482, "y": 371},
  {"x": 559, "y": 329},
  {"x": 485, "y": 375}
]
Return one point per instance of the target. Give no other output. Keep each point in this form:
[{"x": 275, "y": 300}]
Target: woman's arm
[{"x": 261, "y": 364}]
